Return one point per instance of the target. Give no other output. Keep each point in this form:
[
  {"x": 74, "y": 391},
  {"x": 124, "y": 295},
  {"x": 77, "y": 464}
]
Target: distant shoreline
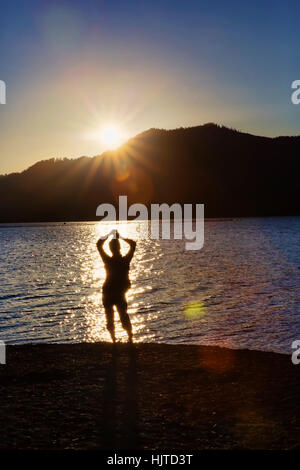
[
  {"x": 150, "y": 396},
  {"x": 65, "y": 222}
]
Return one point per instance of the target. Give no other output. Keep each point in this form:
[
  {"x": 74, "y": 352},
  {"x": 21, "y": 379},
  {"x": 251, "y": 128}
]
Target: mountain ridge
[{"x": 233, "y": 173}]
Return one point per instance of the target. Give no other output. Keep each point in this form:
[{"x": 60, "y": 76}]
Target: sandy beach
[{"x": 147, "y": 396}]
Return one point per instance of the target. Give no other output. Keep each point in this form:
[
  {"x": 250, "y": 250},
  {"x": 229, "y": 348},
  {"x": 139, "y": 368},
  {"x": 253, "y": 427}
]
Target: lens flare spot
[
  {"x": 194, "y": 310},
  {"x": 217, "y": 360}
]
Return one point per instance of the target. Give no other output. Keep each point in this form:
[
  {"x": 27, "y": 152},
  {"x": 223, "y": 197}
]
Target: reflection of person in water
[{"x": 117, "y": 282}]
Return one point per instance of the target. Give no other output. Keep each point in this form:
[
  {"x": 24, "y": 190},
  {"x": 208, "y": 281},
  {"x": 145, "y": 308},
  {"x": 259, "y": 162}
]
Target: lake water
[{"x": 241, "y": 290}]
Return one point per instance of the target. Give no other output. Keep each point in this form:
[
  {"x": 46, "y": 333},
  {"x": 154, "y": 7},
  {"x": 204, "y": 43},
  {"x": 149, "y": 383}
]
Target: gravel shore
[{"x": 147, "y": 396}]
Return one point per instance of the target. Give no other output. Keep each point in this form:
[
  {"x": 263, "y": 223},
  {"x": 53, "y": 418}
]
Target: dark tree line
[{"x": 232, "y": 173}]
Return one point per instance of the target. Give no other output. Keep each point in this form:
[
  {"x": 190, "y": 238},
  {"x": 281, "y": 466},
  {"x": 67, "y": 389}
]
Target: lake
[{"x": 241, "y": 290}]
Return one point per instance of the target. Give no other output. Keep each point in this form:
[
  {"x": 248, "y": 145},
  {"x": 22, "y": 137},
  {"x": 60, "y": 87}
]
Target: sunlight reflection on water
[{"x": 244, "y": 282}]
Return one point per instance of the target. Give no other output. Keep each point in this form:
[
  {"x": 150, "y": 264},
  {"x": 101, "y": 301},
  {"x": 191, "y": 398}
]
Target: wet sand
[{"x": 148, "y": 396}]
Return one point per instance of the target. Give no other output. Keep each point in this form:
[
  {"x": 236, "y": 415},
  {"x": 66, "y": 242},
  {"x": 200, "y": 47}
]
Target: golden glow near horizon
[
  {"x": 91, "y": 69},
  {"x": 110, "y": 136}
]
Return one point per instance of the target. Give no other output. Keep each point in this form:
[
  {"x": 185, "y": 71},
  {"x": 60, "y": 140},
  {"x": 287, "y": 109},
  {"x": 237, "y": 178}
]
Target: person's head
[{"x": 114, "y": 246}]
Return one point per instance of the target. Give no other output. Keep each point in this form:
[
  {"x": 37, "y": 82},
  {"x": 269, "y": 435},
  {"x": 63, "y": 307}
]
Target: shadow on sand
[{"x": 120, "y": 395}]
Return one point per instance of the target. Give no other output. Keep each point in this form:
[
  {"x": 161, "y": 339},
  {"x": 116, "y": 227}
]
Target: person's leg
[
  {"x": 124, "y": 317},
  {"x": 109, "y": 313}
]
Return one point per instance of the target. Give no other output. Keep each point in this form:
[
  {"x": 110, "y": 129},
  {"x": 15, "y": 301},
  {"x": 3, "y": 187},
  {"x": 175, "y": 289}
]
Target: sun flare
[{"x": 112, "y": 136}]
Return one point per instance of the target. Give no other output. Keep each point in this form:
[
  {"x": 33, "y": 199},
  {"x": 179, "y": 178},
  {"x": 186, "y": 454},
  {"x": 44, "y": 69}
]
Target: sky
[{"x": 75, "y": 68}]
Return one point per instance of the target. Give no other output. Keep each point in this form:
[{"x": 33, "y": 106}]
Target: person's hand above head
[
  {"x": 102, "y": 239},
  {"x": 114, "y": 233}
]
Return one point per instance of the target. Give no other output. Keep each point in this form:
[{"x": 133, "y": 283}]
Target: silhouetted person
[{"x": 116, "y": 283}]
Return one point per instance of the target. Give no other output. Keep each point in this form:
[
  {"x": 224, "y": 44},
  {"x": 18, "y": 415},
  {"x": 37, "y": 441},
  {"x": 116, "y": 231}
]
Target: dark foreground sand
[{"x": 150, "y": 396}]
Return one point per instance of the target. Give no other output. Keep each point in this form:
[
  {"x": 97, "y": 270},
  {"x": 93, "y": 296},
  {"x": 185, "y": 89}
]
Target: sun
[
  {"x": 112, "y": 136},
  {"x": 109, "y": 135}
]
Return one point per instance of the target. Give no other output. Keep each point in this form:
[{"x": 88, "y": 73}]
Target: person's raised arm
[
  {"x": 132, "y": 246},
  {"x": 100, "y": 244}
]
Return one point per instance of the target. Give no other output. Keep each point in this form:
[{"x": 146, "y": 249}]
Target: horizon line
[{"x": 233, "y": 129}]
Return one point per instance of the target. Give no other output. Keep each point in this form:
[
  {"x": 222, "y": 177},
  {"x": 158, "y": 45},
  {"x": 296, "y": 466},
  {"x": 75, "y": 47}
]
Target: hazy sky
[{"x": 73, "y": 67}]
